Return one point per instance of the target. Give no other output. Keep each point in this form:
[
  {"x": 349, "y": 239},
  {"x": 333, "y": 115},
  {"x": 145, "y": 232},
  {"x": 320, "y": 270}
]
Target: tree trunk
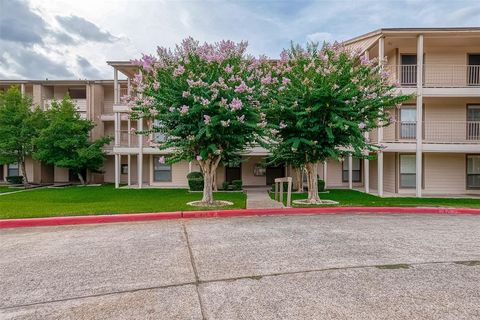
[
  {"x": 208, "y": 166},
  {"x": 80, "y": 177},
  {"x": 24, "y": 174},
  {"x": 299, "y": 178},
  {"x": 312, "y": 174}
]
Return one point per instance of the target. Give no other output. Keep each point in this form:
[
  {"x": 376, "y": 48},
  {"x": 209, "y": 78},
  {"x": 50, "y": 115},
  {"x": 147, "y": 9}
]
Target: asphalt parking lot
[{"x": 280, "y": 267}]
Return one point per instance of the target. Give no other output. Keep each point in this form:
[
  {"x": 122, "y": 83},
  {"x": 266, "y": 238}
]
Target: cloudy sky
[{"x": 57, "y": 39}]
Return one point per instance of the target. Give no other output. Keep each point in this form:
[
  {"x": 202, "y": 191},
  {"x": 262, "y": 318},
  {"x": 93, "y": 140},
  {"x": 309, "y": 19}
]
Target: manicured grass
[
  {"x": 356, "y": 198},
  {"x": 4, "y": 189},
  {"x": 104, "y": 200}
]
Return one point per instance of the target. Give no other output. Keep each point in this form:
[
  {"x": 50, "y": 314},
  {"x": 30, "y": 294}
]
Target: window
[
  {"x": 409, "y": 69},
  {"x": 473, "y": 171},
  {"x": 13, "y": 170},
  {"x": 408, "y": 122},
  {"x": 158, "y": 136},
  {"x": 161, "y": 172},
  {"x": 77, "y": 93},
  {"x": 124, "y": 169},
  {"x": 356, "y": 170},
  {"x": 473, "y": 69},
  {"x": 473, "y": 122},
  {"x": 408, "y": 171}
]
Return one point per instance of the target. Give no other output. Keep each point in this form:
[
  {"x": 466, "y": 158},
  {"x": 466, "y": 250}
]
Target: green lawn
[
  {"x": 4, "y": 189},
  {"x": 356, "y": 198},
  {"x": 103, "y": 200}
]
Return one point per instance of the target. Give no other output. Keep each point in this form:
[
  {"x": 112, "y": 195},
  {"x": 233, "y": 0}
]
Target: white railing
[
  {"x": 130, "y": 139},
  {"x": 436, "y": 75},
  {"x": 80, "y": 104},
  {"x": 447, "y": 131}
]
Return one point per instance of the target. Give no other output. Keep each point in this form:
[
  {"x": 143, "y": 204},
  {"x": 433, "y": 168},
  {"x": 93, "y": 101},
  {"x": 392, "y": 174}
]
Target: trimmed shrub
[
  {"x": 320, "y": 185},
  {"x": 225, "y": 185},
  {"x": 237, "y": 184},
  {"x": 195, "y": 181},
  {"x": 15, "y": 179}
]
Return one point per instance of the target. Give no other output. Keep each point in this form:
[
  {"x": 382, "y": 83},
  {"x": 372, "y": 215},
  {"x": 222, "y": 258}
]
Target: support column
[
  {"x": 129, "y": 172},
  {"x": 22, "y": 89},
  {"x": 140, "y": 153},
  {"x": 324, "y": 173},
  {"x": 381, "y": 55},
  {"x": 189, "y": 166},
  {"x": 350, "y": 172},
  {"x": 366, "y": 175},
  {"x": 115, "y": 86},
  {"x": 419, "y": 126},
  {"x": 117, "y": 170},
  {"x": 380, "y": 173}
]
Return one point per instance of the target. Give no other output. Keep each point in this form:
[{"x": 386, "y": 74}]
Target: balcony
[
  {"x": 436, "y": 75},
  {"x": 436, "y": 132},
  {"x": 80, "y": 105}
]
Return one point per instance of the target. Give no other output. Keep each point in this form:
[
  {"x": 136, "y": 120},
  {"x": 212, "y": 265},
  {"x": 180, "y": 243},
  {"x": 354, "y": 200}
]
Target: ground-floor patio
[{"x": 283, "y": 267}]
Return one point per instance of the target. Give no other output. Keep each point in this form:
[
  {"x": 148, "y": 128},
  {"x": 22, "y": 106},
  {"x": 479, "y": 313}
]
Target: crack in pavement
[
  {"x": 198, "y": 282},
  {"x": 194, "y": 266}
]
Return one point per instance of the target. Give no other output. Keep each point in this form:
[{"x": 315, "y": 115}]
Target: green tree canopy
[
  {"x": 327, "y": 99},
  {"x": 19, "y": 125},
  {"x": 65, "y": 141},
  {"x": 205, "y": 99}
]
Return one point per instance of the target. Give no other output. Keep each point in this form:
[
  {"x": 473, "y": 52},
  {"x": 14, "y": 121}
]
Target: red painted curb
[{"x": 55, "y": 221}]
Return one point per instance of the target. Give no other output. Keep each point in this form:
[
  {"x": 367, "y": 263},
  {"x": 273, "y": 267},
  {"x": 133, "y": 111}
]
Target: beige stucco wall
[
  {"x": 248, "y": 178},
  {"x": 61, "y": 174},
  {"x": 445, "y": 172}
]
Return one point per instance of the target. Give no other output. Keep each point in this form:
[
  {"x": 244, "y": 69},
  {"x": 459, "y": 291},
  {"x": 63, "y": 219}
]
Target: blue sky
[{"x": 72, "y": 39}]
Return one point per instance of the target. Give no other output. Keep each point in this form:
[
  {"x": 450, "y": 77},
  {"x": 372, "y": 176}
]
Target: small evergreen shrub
[
  {"x": 15, "y": 179},
  {"x": 225, "y": 185},
  {"x": 237, "y": 184},
  {"x": 195, "y": 181},
  {"x": 320, "y": 185}
]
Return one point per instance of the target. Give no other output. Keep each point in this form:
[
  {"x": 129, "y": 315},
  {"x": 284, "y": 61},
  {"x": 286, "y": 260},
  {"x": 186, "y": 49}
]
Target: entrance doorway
[
  {"x": 233, "y": 173},
  {"x": 274, "y": 172}
]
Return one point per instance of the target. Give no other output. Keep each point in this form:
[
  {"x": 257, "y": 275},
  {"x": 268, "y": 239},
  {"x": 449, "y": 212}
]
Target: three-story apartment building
[{"x": 432, "y": 147}]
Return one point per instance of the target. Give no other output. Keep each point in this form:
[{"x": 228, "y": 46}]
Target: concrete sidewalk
[
  {"x": 258, "y": 198},
  {"x": 282, "y": 267}
]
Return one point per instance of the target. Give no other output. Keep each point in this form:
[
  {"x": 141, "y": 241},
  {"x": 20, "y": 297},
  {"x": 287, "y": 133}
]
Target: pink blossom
[
  {"x": 185, "y": 94},
  {"x": 228, "y": 69},
  {"x": 364, "y": 59},
  {"x": 242, "y": 87},
  {"x": 282, "y": 125},
  {"x": 161, "y": 160},
  {"x": 147, "y": 62},
  {"x": 206, "y": 119},
  {"x": 156, "y": 85},
  {"x": 223, "y": 102},
  {"x": 225, "y": 123},
  {"x": 178, "y": 71},
  {"x": 199, "y": 158},
  {"x": 236, "y": 104},
  {"x": 285, "y": 81},
  {"x": 362, "y": 125},
  {"x": 267, "y": 79},
  {"x": 184, "y": 109},
  {"x": 171, "y": 109},
  {"x": 138, "y": 78},
  {"x": 241, "y": 118},
  {"x": 204, "y": 101}
]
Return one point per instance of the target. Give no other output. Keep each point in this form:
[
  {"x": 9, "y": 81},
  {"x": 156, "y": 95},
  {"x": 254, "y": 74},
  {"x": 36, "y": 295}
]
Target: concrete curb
[{"x": 72, "y": 220}]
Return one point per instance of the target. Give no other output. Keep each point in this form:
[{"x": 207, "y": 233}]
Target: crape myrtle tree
[
  {"x": 205, "y": 99},
  {"x": 328, "y": 98},
  {"x": 65, "y": 141},
  {"x": 19, "y": 125}
]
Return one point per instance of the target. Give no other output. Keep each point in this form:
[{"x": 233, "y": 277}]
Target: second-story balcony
[
  {"x": 456, "y": 132},
  {"x": 80, "y": 105},
  {"x": 436, "y": 75}
]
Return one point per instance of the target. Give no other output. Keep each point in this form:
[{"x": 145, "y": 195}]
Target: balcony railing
[
  {"x": 130, "y": 139},
  {"x": 434, "y": 132},
  {"x": 436, "y": 75},
  {"x": 80, "y": 105}
]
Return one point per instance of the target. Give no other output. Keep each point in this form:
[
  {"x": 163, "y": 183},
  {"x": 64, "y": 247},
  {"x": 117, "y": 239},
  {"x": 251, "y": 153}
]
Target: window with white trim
[
  {"x": 408, "y": 171},
  {"x": 12, "y": 170},
  {"x": 158, "y": 136},
  {"x": 356, "y": 170},
  {"x": 161, "y": 172},
  {"x": 473, "y": 171}
]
